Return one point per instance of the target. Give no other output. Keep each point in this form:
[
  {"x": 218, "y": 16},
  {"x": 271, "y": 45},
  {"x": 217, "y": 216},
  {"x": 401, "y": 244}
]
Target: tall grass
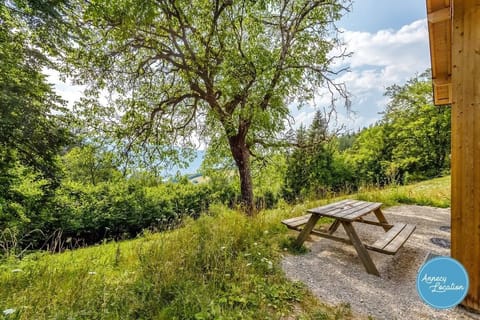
[
  {"x": 220, "y": 266},
  {"x": 434, "y": 193}
]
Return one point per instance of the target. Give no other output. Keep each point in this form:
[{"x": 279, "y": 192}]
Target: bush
[{"x": 82, "y": 214}]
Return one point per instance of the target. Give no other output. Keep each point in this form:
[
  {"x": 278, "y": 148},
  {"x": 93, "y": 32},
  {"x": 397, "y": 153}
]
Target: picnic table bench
[{"x": 345, "y": 213}]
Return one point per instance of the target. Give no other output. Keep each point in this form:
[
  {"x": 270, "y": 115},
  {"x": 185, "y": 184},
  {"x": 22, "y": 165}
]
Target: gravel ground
[{"x": 334, "y": 273}]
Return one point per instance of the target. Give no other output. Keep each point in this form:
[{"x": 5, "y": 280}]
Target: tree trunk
[{"x": 241, "y": 155}]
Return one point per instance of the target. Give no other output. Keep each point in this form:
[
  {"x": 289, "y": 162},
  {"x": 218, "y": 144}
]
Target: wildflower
[
  {"x": 8, "y": 311},
  {"x": 222, "y": 248},
  {"x": 255, "y": 244},
  {"x": 92, "y": 272},
  {"x": 17, "y": 270}
]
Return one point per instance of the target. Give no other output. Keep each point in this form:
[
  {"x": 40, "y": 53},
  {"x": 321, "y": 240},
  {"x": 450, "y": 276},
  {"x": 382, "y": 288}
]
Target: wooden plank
[
  {"x": 329, "y": 207},
  {"x": 381, "y": 218},
  {"x": 352, "y": 215},
  {"x": 439, "y": 15},
  {"x": 329, "y": 236},
  {"x": 341, "y": 209},
  {"x": 442, "y": 80},
  {"x": 400, "y": 239},
  {"x": 340, "y": 212},
  {"x": 333, "y": 227},
  {"x": 389, "y": 236},
  {"x": 375, "y": 223},
  {"x": 360, "y": 248},
  {"x": 439, "y": 27},
  {"x": 299, "y": 223},
  {"x": 334, "y": 212},
  {"x": 306, "y": 230},
  {"x": 296, "y": 221},
  {"x": 465, "y": 232}
]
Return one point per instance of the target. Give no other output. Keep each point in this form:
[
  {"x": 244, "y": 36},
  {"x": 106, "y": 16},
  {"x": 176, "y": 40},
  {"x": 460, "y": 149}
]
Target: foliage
[
  {"x": 87, "y": 164},
  {"x": 369, "y": 155},
  {"x": 411, "y": 142},
  {"x": 32, "y": 129},
  {"x": 268, "y": 172},
  {"x": 221, "y": 266},
  {"x": 315, "y": 168},
  {"x": 435, "y": 193},
  {"x": 419, "y": 131},
  {"x": 224, "y": 70},
  {"x": 83, "y": 214}
]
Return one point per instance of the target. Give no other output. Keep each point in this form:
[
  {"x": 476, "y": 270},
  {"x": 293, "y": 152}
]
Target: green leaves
[
  {"x": 411, "y": 142},
  {"x": 31, "y": 114},
  {"x": 181, "y": 71}
]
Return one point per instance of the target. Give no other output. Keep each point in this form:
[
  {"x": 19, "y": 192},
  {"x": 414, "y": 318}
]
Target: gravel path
[{"x": 334, "y": 273}]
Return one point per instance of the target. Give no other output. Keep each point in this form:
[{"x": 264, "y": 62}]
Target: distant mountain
[{"x": 192, "y": 169}]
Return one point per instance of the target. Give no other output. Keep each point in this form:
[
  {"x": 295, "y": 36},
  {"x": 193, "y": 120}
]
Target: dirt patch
[{"x": 334, "y": 273}]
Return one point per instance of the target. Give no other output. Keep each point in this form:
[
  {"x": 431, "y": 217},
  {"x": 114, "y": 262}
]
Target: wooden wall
[{"x": 466, "y": 143}]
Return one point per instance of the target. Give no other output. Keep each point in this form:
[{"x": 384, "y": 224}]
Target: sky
[{"x": 389, "y": 42}]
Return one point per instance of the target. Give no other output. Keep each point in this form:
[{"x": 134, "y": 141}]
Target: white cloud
[
  {"x": 403, "y": 47},
  {"x": 380, "y": 60}
]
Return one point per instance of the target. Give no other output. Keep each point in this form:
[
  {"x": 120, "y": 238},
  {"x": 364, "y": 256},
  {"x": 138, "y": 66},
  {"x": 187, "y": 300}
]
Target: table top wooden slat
[
  {"x": 324, "y": 210},
  {"x": 362, "y": 211},
  {"x": 347, "y": 210}
]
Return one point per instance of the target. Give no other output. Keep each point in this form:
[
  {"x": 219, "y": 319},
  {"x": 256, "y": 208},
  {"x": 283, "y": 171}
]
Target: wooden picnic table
[{"x": 345, "y": 213}]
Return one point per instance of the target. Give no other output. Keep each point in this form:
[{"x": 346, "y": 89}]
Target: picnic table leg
[
  {"x": 361, "y": 250},
  {"x": 306, "y": 230},
  {"x": 381, "y": 218},
  {"x": 333, "y": 227}
]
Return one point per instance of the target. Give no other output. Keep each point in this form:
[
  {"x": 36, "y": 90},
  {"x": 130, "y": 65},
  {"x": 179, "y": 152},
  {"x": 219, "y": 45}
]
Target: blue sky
[
  {"x": 389, "y": 41},
  {"x": 375, "y": 15}
]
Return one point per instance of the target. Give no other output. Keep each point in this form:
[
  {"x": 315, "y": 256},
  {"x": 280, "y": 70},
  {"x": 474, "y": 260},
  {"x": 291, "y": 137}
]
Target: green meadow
[{"x": 223, "y": 265}]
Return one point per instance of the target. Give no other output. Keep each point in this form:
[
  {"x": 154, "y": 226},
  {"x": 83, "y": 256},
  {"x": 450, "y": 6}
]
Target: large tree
[
  {"x": 410, "y": 142},
  {"x": 419, "y": 131},
  {"x": 32, "y": 126},
  {"x": 218, "y": 70}
]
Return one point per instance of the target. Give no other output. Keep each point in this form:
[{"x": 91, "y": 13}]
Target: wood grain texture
[
  {"x": 360, "y": 248},
  {"x": 466, "y": 143},
  {"x": 439, "y": 27},
  {"x": 380, "y": 217},
  {"x": 306, "y": 230},
  {"x": 389, "y": 236},
  {"x": 400, "y": 239}
]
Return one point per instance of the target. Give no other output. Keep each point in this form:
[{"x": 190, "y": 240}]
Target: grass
[
  {"x": 435, "y": 193},
  {"x": 220, "y": 266}
]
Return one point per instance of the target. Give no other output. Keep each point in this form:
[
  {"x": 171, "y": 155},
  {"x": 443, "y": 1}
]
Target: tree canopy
[
  {"x": 32, "y": 125},
  {"x": 179, "y": 71},
  {"x": 410, "y": 142},
  {"x": 30, "y": 117}
]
